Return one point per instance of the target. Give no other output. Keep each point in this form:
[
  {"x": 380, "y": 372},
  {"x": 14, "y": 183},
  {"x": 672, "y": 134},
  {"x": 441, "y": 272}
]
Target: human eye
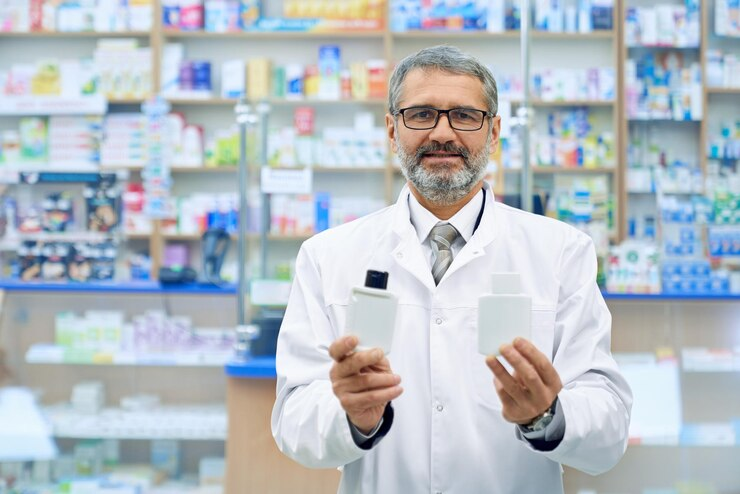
[
  {"x": 465, "y": 115},
  {"x": 420, "y": 113}
]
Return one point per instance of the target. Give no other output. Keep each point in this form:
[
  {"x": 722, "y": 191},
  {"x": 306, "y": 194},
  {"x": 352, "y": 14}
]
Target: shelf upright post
[
  {"x": 524, "y": 112},
  {"x": 245, "y": 119},
  {"x": 263, "y": 110},
  {"x": 156, "y": 43}
]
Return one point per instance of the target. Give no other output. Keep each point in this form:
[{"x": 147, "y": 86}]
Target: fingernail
[
  {"x": 351, "y": 341},
  {"x": 397, "y": 379},
  {"x": 378, "y": 353}
]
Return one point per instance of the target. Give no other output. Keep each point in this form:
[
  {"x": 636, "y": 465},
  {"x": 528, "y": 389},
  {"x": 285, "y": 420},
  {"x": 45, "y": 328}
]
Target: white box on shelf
[{"x": 233, "y": 79}]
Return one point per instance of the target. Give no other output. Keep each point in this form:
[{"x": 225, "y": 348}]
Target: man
[{"x": 434, "y": 415}]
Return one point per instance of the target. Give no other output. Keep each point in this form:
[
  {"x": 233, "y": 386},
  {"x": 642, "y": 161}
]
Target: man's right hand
[{"x": 363, "y": 382}]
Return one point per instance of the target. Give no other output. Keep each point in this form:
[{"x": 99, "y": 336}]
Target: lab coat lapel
[
  {"x": 407, "y": 252},
  {"x": 483, "y": 237}
]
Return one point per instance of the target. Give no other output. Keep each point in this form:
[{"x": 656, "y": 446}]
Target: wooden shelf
[
  {"x": 437, "y": 34},
  {"x": 662, "y": 47},
  {"x": 196, "y": 237},
  {"x": 723, "y": 90},
  {"x": 552, "y": 170},
  {"x": 137, "y": 236},
  {"x": 599, "y": 34},
  {"x": 275, "y": 102},
  {"x": 81, "y": 34},
  {"x": 277, "y": 35},
  {"x": 234, "y": 169},
  {"x": 342, "y": 169},
  {"x": 605, "y": 34},
  {"x": 661, "y": 120},
  {"x": 554, "y": 103},
  {"x": 126, "y": 101},
  {"x": 203, "y": 169}
]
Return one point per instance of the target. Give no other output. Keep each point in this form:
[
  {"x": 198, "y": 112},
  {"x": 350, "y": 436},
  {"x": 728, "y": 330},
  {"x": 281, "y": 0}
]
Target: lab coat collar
[{"x": 408, "y": 253}]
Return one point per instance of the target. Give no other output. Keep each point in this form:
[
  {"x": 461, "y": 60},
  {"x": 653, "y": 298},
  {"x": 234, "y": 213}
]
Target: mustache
[{"x": 434, "y": 147}]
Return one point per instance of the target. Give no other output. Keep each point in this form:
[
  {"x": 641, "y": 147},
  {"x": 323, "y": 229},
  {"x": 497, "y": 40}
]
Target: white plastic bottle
[
  {"x": 504, "y": 314},
  {"x": 372, "y": 313}
]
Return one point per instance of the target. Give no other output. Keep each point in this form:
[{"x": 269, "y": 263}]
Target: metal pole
[
  {"x": 524, "y": 112},
  {"x": 263, "y": 110},
  {"x": 244, "y": 118}
]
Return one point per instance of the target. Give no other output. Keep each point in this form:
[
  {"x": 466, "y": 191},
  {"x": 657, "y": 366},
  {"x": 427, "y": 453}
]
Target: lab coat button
[
  {"x": 438, "y": 320},
  {"x": 399, "y": 255},
  {"x": 440, "y": 408}
]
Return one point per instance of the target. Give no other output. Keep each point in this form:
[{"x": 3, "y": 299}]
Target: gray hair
[{"x": 447, "y": 59}]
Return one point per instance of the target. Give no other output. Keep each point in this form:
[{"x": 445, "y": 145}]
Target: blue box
[{"x": 322, "y": 201}]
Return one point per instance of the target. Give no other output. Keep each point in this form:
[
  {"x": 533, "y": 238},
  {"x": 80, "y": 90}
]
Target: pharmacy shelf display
[
  {"x": 592, "y": 127},
  {"x": 203, "y": 85}
]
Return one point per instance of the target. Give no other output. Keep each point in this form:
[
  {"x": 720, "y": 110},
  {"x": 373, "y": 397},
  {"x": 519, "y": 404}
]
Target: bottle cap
[
  {"x": 506, "y": 283},
  {"x": 376, "y": 279}
]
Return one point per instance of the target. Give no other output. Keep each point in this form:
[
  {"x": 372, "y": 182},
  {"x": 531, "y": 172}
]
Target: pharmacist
[{"x": 434, "y": 415}]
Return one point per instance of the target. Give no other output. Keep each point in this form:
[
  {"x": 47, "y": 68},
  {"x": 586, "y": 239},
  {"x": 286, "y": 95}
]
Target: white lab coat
[{"x": 448, "y": 435}]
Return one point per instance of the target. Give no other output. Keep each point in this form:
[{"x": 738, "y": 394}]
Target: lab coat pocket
[
  {"x": 481, "y": 376},
  {"x": 338, "y": 318},
  {"x": 543, "y": 329}
]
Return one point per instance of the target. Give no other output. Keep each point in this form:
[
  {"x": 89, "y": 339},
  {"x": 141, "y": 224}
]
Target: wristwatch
[{"x": 541, "y": 421}]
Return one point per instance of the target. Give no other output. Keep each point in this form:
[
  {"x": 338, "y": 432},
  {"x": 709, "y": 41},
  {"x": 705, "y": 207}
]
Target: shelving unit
[
  {"x": 201, "y": 423},
  {"x": 659, "y": 326},
  {"x": 78, "y": 34},
  {"x": 391, "y": 45},
  {"x": 134, "y": 287},
  {"x": 276, "y": 102},
  {"x": 57, "y": 355}
]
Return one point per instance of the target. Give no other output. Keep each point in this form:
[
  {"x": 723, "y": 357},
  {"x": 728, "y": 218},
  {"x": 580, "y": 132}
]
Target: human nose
[{"x": 442, "y": 132}]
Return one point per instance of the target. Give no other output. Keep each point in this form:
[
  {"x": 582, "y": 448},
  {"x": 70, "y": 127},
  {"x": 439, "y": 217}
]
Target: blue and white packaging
[
  {"x": 294, "y": 81},
  {"x": 496, "y": 16},
  {"x": 329, "y": 67},
  {"x": 233, "y": 78}
]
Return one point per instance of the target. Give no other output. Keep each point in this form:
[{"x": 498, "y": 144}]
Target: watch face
[{"x": 542, "y": 422}]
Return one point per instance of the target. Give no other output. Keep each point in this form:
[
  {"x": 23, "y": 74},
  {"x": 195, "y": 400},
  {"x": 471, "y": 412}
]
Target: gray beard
[{"x": 442, "y": 186}]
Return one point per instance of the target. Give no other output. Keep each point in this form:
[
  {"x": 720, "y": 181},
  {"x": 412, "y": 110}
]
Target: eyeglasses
[{"x": 425, "y": 118}]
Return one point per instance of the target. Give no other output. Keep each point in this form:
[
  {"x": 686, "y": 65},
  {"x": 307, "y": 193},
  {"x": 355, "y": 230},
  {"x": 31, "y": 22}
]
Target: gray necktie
[{"x": 442, "y": 236}]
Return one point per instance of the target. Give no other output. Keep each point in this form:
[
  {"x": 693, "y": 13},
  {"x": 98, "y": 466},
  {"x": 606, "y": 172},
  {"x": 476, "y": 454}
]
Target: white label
[
  {"x": 53, "y": 105},
  {"x": 286, "y": 181}
]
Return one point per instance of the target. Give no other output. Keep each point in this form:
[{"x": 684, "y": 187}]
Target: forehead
[{"x": 442, "y": 89}]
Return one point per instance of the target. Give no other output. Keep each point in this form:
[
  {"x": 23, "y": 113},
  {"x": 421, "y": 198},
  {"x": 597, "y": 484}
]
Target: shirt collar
[{"x": 463, "y": 221}]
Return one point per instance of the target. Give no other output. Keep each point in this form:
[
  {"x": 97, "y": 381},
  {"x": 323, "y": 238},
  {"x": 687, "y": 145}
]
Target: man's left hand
[{"x": 532, "y": 387}]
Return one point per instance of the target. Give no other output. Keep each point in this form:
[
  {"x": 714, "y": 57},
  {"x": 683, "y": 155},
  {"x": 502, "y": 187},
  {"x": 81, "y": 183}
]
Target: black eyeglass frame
[{"x": 440, "y": 113}]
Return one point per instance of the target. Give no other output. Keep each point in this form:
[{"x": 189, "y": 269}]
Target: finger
[
  {"x": 512, "y": 387},
  {"x": 539, "y": 360},
  {"x": 524, "y": 372},
  {"x": 507, "y": 401},
  {"x": 365, "y": 382},
  {"x": 354, "y": 363},
  {"x": 369, "y": 399},
  {"x": 342, "y": 347}
]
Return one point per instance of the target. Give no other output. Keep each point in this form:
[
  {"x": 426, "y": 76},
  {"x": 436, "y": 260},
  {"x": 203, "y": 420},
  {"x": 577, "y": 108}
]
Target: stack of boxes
[{"x": 75, "y": 15}]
